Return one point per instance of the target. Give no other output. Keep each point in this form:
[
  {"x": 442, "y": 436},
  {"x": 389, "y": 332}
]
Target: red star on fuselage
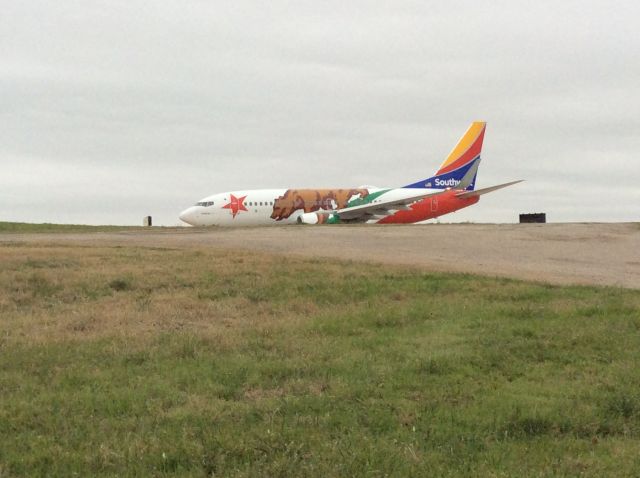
[{"x": 236, "y": 204}]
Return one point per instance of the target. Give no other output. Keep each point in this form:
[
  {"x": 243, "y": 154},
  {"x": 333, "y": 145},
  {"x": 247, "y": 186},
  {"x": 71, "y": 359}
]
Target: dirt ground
[{"x": 577, "y": 253}]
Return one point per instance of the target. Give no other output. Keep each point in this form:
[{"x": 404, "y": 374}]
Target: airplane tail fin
[{"x": 464, "y": 157}]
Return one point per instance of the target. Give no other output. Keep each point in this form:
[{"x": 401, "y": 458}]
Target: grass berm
[{"x": 130, "y": 361}]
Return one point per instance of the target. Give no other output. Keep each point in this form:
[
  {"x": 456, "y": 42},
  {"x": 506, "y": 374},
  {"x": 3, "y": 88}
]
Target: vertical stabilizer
[{"x": 464, "y": 156}]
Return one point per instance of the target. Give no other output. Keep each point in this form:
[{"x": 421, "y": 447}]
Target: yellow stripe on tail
[{"x": 467, "y": 140}]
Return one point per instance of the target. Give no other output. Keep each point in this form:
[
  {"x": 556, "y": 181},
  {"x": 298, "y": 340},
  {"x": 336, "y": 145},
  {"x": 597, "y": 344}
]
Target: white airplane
[{"x": 450, "y": 189}]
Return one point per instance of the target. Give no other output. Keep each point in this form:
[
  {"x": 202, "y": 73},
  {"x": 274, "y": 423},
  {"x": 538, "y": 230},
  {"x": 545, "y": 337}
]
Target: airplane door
[{"x": 434, "y": 204}]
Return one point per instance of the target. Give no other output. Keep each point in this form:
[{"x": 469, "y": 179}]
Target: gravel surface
[{"x": 576, "y": 253}]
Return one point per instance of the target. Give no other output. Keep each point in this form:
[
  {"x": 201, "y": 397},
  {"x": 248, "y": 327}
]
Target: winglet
[{"x": 470, "y": 176}]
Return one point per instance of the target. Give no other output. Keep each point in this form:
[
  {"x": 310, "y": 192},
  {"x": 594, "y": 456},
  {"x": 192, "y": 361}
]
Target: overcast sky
[{"x": 113, "y": 110}]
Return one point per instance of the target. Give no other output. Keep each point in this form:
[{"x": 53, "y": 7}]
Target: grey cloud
[{"x": 136, "y": 108}]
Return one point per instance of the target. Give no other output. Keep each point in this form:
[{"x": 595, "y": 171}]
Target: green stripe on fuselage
[{"x": 366, "y": 200}]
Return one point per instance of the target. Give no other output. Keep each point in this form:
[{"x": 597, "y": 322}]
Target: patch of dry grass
[{"x": 57, "y": 293}]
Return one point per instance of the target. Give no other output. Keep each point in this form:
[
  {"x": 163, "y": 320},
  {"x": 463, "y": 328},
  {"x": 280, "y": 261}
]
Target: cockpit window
[{"x": 205, "y": 203}]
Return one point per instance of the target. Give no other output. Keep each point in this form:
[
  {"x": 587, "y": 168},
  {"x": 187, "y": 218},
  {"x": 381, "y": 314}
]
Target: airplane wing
[
  {"x": 378, "y": 210},
  {"x": 480, "y": 192}
]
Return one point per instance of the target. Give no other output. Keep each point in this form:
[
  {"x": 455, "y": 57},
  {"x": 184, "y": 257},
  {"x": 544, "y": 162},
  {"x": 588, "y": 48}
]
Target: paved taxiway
[{"x": 600, "y": 254}]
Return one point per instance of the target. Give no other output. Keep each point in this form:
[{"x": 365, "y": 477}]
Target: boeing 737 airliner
[{"x": 452, "y": 188}]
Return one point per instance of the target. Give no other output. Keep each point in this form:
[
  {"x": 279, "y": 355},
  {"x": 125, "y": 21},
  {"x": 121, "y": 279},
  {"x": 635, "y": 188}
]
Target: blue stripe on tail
[{"x": 447, "y": 180}]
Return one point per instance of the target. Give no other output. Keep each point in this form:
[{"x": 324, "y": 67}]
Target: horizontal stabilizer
[{"x": 479, "y": 192}]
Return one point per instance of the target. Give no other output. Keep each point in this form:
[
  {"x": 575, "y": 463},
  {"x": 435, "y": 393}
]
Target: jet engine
[
  {"x": 311, "y": 218},
  {"x": 315, "y": 218}
]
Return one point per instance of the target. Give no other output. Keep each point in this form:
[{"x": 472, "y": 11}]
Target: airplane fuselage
[
  {"x": 261, "y": 207},
  {"x": 450, "y": 189}
]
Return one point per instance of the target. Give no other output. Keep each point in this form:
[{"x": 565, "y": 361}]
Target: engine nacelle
[
  {"x": 310, "y": 218},
  {"x": 315, "y": 218}
]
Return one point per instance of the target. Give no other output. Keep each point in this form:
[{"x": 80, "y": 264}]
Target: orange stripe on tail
[{"x": 469, "y": 146}]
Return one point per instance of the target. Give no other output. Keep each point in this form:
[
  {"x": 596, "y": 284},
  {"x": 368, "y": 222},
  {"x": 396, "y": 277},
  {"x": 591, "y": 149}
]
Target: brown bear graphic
[{"x": 310, "y": 200}]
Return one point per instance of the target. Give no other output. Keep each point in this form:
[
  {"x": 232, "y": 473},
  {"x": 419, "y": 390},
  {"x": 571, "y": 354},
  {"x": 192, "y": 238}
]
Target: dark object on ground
[{"x": 537, "y": 217}]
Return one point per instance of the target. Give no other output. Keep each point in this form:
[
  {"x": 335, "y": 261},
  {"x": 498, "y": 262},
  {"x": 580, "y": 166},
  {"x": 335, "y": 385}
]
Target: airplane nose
[{"x": 188, "y": 216}]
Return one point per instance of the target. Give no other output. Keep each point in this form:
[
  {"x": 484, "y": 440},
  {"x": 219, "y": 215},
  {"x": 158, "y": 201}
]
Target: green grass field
[
  {"x": 123, "y": 361},
  {"x": 24, "y": 227}
]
